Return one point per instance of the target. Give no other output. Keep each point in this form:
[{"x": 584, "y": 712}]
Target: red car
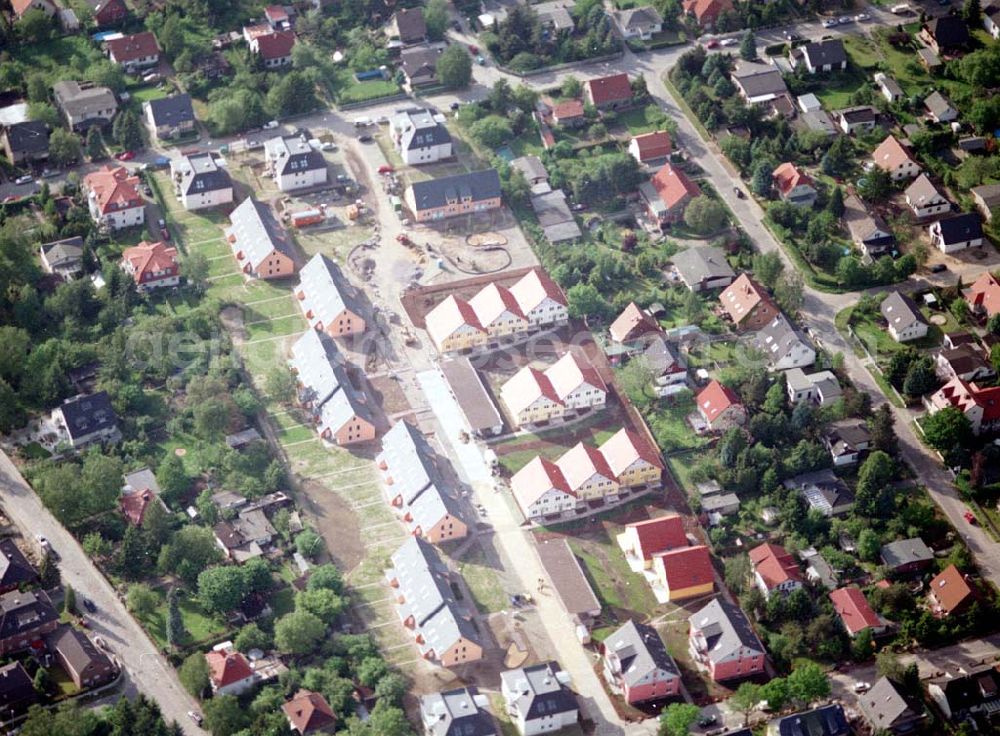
[
  {"x": 126, "y": 156},
  {"x": 385, "y": 169},
  {"x": 713, "y": 44},
  {"x": 970, "y": 517},
  {"x": 10, "y": 198},
  {"x": 474, "y": 50}
]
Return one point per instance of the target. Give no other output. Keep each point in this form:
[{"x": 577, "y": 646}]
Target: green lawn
[
  {"x": 482, "y": 582},
  {"x": 681, "y": 466},
  {"x": 282, "y": 602},
  {"x": 64, "y": 684},
  {"x": 614, "y": 583},
  {"x": 668, "y": 421},
  {"x": 145, "y": 94},
  {"x": 199, "y": 625},
  {"x": 643, "y": 120},
  {"x": 348, "y": 89},
  {"x": 66, "y": 57}
]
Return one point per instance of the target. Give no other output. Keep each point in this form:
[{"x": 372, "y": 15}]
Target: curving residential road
[{"x": 146, "y": 669}]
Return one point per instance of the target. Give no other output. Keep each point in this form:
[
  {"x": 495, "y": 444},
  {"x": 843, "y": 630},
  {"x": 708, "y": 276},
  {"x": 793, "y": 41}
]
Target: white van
[{"x": 901, "y": 9}]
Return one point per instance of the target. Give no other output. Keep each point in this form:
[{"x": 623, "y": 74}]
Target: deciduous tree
[{"x": 454, "y": 67}]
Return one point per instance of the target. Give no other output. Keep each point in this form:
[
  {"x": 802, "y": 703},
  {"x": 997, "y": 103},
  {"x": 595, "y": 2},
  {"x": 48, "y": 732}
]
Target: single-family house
[
  {"x": 703, "y": 268},
  {"x": 26, "y": 142},
  {"x": 200, "y": 182},
  {"x": 939, "y": 108},
  {"x": 665, "y": 361},
  {"x": 643, "y": 540},
  {"x": 632, "y": 324},
  {"x": 668, "y": 193},
  {"x": 87, "y": 666},
  {"x": 947, "y": 34},
  {"x": 87, "y": 419},
  {"x": 538, "y": 698},
  {"x": 785, "y": 345},
  {"x": 409, "y": 26},
  {"x": 889, "y": 708},
  {"x": 134, "y": 52},
  {"x": 15, "y": 570},
  {"x": 63, "y": 258},
  {"x": 983, "y": 297},
  {"x": 568, "y": 113},
  {"x": 758, "y": 83},
  {"x": 707, "y": 12},
  {"x": 134, "y": 505},
  {"x": 426, "y": 604},
  {"x": 719, "y": 505},
  {"x": 643, "y": 22},
  {"x": 924, "y": 198},
  {"x": 950, "y": 592},
  {"x": 987, "y": 199},
  {"x": 294, "y": 164},
  {"x": 794, "y": 185},
  {"x": 903, "y": 318},
  {"x": 722, "y": 640},
  {"x": 274, "y": 47},
  {"x": 683, "y": 573},
  {"x": 259, "y": 243},
  {"x": 612, "y": 92},
  {"x": 868, "y": 231},
  {"x": 169, "y": 117},
  {"x": 720, "y": 407},
  {"x": 828, "y": 720},
  {"x": 650, "y": 147},
  {"x": 991, "y": 20},
  {"x": 748, "y": 304},
  {"x": 114, "y": 199},
  {"x": 555, "y": 216},
  {"x": 819, "y": 571},
  {"x": 107, "y": 12},
  {"x": 338, "y": 409},
  {"x": 889, "y": 88},
  {"x": 459, "y": 712},
  {"x": 893, "y": 157},
  {"x": 821, "y": 387},
  {"x": 554, "y": 15},
  {"x": 855, "y": 613},
  {"x": 861, "y": 118},
  {"x": 460, "y": 194},
  {"x": 907, "y": 556},
  {"x": 416, "y": 486},
  {"x": 967, "y": 362},
  {"x": 569, "y": 386},
  {"x": 821, "y": 56},
  {"x": 419, "y": 66},
  {"x": 961, "y": 696},
  {"x": 308, "y": 712},
  {"x": 774, "y": 570},
  {"x": 847, "y": 440},
  {"x": 229, "y": 672},
  {"x": 17, "y": 689},
  {"x": 328, "y": 300},
  {"x": 637, "y": 665},
  {"x": 957, "y": 232},
  {"x": 151, "y": 265},
  {"x": 25, "y": 618},
  {"x": 419, "y": 137},
  {"x": 981, "y": 405},
  {"x": 822, "y": 491}
]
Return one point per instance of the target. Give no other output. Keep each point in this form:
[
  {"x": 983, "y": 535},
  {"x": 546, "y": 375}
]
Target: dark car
[
  {"x": 365, "y": 138},
  {"x": 455, "y": 105},
  {"x": 89, "y": 605},
  {"x": 456, "y": 25},
  {"x": 938, "y": 268}
]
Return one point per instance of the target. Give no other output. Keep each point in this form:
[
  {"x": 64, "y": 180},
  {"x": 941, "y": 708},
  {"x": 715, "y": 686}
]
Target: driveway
[{"x": 146, "y": 669}]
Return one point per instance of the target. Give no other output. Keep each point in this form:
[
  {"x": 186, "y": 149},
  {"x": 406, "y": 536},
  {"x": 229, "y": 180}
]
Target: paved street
[{"x": 146, "y": 669}]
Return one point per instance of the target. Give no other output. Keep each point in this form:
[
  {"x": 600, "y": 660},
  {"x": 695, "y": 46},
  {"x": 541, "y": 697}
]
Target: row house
[
  {"x": 533, "y": 302},
  {"x": 339, "y": 411},
  {"x": 624, "y": 464},
  {"x": 426, "y": 605},
  {"x": 329, "y": 302},
  {"x": 114, "y": 199},
  {"x": 462, "y": 194},
  {"x": 659, "y": 550},
  {"x": 980, "y": 404},
  {"x": 569, "y": 387},
  {"x": 25, "y": 618},
  {"x": 259, "y": 243},
  {"x": 416, "y": 486}
]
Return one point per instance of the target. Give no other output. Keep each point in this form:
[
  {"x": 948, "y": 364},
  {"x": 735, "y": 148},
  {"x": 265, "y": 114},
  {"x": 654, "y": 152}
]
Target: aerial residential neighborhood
[{"x": 489, "y": 368}]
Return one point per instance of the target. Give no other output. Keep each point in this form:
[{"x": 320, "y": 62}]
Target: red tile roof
[
  {"x": 788, "y": 176},
  {"x": 134, "y": 505},
  {"x": 22, "y": 6},
  {"x": 775, "y": 565},
  {"x": 275, "y": 45},
  {"x": 614, "y": 88},
  {"x": 715, "y": 398},
  {"x": 950, "y": 590},
  {"x": 275, "y": 13},
  {"x": 567, "y": 110},
  {"x": 687, "y": 567},
  {"x": 707, "y": 11},
  {"x": 133, "y": 48},
  {"x": 632, "y": 323},
  {"x": 308, "y": 711},
  {"x": 985, "y": 293},
  {"x": 227, "y": 667},
  {"x": 659, "y": 535},
  {"x": 150, "y": 257},
  {"x": 674, "y": 186},
  {"x": 854, "y": 611},
  {"x": 742, "y": 296},
  {"x": 653, "y": 145},
  {"x": 963, "y": 395},
  {"x": 113, "y": 188},
  {"x": 891, "y": 154}
]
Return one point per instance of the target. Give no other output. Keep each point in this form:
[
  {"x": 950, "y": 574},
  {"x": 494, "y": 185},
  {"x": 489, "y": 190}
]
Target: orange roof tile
[
  {"x": 686, "y": 567},
  {"x": 715, "y": 398},
  {"x": 854, "y": 610},
  {"x": 673, "y": 186},
  {"x": 742, "y": 296},
  {"x": 613, "y": 88},
  {"x": 308, "y": 712},
  {"x": 227, "y": 667},
  {"x": 659, "y": 535},
  {"x": 775, "y": 565},
  {"x": 653, "y": 145},
  {"x": 788, "y": 176},
  {"x": 632, "y": 323},
  {"x": 985, "y": 293},
  {"x": 568, "y": 109},
  {"x": 132, "y": 48},
  {"x": 950, "y": 590},
  {"x": 150, "y": 257},
  {"x": 113, "y": 188}
]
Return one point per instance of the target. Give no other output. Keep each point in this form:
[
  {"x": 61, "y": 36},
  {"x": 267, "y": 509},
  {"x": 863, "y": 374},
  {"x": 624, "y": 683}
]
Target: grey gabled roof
[
  {"x": 410, "y": 24},
  {"x": 66, "y": 252},
  {"x": 646, "y": 15},
  {"x": 904, "y": 551},
  {"x": 900, "y": 311},
  {"x": 864, "y": 227},
  {"x": 540, "y": 693},
  {"x": 531, "y": 166},
  {"x": 847, "y": 435},
  {"x": 85, "y": 415},
  {"x": 14, "y": 566},
  {"x": 990, "y": 194},
  {"x": 829, "y": 720},
  {"x": 640, "y": 651},
  {"x": 76, "y": 649},
  {"x": 172, "y": 110},
  {"x": 257, "y": 232},
  {"x": 825, "y": 52},
  {"x": 757, "y": 80},
  {"x": 922, "y": 192},
  {"x": 326, "y": 291},
  {"x": 725, "y": 628},
  {"x": 702, "y": 263},
  {"x": 324, "y": 383},
  {"x": 291, "y": 154},
  {"x": 937, "y": 103},
  {"x": 420, "y": 64},
  {"x": 77, "y": 99},
  {"x": 477, "y": 185},
  {"x": 31, "y": 136},
  {"x": 779, "y": 337},
  {"x": 883, "y": 705},
  {"x": 201, "y": 173},
  {"x": 455, "y": 713},
  {"x": 419, "y": 129}
]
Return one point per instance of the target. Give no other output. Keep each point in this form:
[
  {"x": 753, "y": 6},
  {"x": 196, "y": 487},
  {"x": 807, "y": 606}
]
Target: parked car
[
  {"x": 862, "y": 687},
  {"x": 844, "y": 20},
  {"x": 385, "y": 169},
  {"x": 707, "y": 721},
  {"x": 481, "y": 60},
  {"x": 861, "y": 17},
  {"x": 126, "y": 156},
  {"x": 792, "y": 37},
  {"x": 455, "y": 105},
  {"x": 362, "y": 122},
  {"x": 970, "y": 517},
  {"x": 831, "y": 23},
  {"x": 456, "y": 25},
  {"x": 365, "y": 138},
  {"x": 270, "y": 125},
  {"x": 938, "y": 268},
  {"x": 328, "y": 146},
  {"x": 712, "y": 44},
  {"x": 728, "y": 42},
  {"x": 195, "y": 716},
  {"x": 49, "y": 173},
  {"x": 26, "y": 179},
  {"x": 89, "y": 605},
  {"x": 738, "y": 192}
]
